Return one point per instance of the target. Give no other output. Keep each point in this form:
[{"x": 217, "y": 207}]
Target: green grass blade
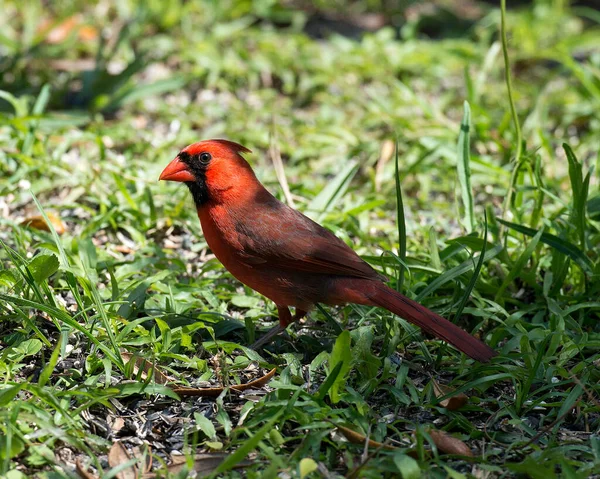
[
  {"x": 517, "y": 267},
  {"x": 63, "y": 255},
  {"x": 49, "y": 368},
  {"x": 400, "y": 222},
  {"x": 464, "y": 168},
  {"x": 434, "y": 250},
  {"x": 329, "y": 381},
  {"x": 536, "y": 212},
  {"x": 476, "y": 271},
  {"x": 247, "y": 447},
  {"x": 513, "y": 110},
  {"x": 329, "y": 196},
  {"x": 455, "y": 272},
  {"x": 566, "y": 248},
  {"x": 38, "y": 108},
  {"x": 71, "y": 280},
  {"x": 341, "y": 354},
  {"x": 593, "y": 208},
  {"x": 138, "y": 92},
  {"x": 42, "y": 101},
  {"x": 62, "y": 317},
  {"x": 18, "y": 104},
  {"x": 579, "y": 190},
  {"x": 570, "y": 401},
  {"x": 523, "y": 391}
]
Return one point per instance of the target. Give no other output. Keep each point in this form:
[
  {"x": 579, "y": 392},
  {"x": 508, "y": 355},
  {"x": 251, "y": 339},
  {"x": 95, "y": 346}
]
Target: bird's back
[{"x": 277, "y": 250}]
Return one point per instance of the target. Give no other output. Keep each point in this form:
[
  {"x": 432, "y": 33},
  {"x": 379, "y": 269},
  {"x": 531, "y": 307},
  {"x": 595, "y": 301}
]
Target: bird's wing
[{"x": 285, "y": 238}]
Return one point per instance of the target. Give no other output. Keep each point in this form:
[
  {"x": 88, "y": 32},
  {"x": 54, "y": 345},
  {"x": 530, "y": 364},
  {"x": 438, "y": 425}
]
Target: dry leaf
[
  {"x": 146, "y": 367},
  {"x": 449, "y": 444},
  {"x": 358, "y": 438},
  {"x": 82, "y": 470},
  {"x": 451, "y": 403},
  {"x": 214, "y": 392},
  {"x": 39, "y": 223},
  {"x": 87, "y": 33},
  {"x": 387, "y": 150},
  {"x": 121, "y": 248},
  {"x": 61, "y": 31},
  {"x": 117, "y": 425},
  {"x": 144, "y": 456},
  {"x": 79, "y": 65},
  {"x": 118, "y": 455},
  {"x": 204, "y": 464},
  {"x": 275, "y": 155}
]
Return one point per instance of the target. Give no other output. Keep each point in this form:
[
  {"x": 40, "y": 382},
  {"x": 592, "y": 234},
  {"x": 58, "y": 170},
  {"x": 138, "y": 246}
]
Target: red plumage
[{"x": 284, "y": 255}]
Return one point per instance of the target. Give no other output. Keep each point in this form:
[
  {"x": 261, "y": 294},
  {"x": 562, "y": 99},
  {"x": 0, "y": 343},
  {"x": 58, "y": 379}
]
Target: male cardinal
[{"x": 284, "y": 255}]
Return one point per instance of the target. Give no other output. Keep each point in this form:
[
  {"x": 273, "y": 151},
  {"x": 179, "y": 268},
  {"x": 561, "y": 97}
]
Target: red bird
[{"x": 284, "y": 255}]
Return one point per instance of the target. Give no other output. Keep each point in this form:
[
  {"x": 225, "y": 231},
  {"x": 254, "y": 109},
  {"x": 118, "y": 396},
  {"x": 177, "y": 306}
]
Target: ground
[{"x": 489, "y": 214}]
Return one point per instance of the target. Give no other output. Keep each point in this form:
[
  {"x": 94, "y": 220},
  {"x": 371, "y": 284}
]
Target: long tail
[{"x": 382, "y": 295}]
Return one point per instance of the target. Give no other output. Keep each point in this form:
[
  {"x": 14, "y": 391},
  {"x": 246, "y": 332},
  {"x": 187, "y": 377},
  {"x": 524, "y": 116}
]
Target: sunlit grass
[{"x": 132, "y": 272}]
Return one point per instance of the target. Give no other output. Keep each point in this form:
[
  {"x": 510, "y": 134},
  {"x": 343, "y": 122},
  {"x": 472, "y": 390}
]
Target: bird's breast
[
  {"x": 228, "y": 243},
  {"x": 221, "y": 235}
]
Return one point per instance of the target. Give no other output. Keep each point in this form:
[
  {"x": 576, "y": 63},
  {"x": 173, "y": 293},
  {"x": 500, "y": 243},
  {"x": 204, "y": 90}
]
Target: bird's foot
[{"x": 267, "y": 337}]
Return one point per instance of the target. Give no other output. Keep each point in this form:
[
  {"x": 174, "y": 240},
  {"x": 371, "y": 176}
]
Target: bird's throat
[{"x": 199, "y": 191}]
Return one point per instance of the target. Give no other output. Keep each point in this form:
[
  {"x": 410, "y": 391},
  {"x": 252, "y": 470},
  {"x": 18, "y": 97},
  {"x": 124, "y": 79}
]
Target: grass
[{"x": 498, "y": 235}]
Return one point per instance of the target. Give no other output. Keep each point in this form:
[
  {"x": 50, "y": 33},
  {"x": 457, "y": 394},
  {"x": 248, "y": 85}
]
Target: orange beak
[{"x": 177, "y": 170}]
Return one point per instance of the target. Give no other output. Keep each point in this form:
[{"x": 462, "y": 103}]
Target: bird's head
[{"x": 209, "y": 168}]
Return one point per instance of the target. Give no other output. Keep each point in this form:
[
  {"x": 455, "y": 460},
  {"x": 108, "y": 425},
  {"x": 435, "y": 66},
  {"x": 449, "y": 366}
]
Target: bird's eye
[{"x": 205, "y": 157}]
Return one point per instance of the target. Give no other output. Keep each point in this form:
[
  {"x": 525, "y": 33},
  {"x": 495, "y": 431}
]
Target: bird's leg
[{"x": 285, "y": 318}]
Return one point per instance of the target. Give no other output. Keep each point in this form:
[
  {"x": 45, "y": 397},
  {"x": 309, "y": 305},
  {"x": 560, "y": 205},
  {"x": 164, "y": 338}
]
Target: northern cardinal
[{"x": 284, "y": 255}]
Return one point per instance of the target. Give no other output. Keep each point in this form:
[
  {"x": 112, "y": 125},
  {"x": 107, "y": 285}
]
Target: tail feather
[{"x": 431, "y": 322}]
